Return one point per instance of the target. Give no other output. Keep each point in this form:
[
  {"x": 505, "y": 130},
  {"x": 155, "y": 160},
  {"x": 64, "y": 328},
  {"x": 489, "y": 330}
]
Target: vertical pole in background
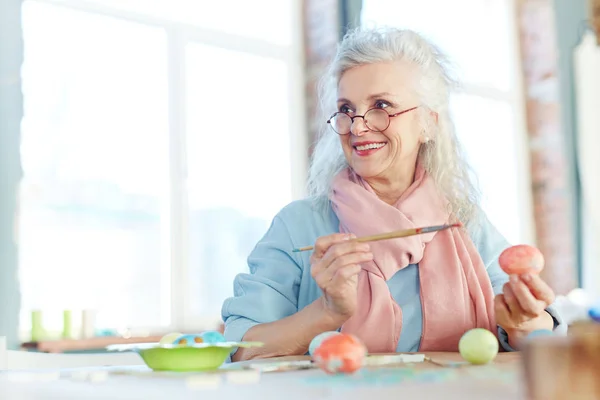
[
  {"x": 350, "y": 11},
  {"x": 325, "y": 23},
  {"x": 595, "y": 17},
  {"x": 321, "y": 35},
  {"x": 553, "y": 177},
  {"x": 11, "y": 113},
  {"x": 570, "y": 18}
]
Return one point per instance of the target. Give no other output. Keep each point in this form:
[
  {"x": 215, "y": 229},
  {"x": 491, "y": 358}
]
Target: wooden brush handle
[{"x": 393, "y": 235}]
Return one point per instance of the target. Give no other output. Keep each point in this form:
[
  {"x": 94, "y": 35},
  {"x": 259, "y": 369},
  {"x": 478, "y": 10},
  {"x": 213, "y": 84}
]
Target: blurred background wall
[{"x": 144, "y": 147}]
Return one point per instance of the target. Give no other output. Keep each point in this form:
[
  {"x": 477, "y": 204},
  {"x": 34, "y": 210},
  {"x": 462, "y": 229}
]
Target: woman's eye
[
  {"x": 345, "y": 109},
  {"x": 381, "y": 104}
]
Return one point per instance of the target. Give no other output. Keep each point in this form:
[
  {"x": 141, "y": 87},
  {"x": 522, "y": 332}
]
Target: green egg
[{"x": 478, "y": 346}]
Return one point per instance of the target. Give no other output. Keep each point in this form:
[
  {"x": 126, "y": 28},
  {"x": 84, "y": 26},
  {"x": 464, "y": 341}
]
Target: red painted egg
[
  {"x": 521, "y": 259},
  {"x": 341, "y": 353}
]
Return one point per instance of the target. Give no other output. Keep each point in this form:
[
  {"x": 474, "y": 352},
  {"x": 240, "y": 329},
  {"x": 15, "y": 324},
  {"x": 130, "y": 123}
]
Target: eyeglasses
[{"x": 376, "y": 119}]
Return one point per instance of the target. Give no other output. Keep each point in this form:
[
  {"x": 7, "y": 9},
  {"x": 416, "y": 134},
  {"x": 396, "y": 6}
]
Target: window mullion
[{"x": 178, "y": 207}]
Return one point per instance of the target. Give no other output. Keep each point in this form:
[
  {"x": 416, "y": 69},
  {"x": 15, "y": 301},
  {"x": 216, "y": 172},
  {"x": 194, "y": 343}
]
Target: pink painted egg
[
  {"x": 521, "y": 259},
  {"x": 341, "y": 353}
]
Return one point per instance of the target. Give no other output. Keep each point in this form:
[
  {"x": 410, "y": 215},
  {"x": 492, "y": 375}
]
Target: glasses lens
[
  {"x": 341, "y": 123},
  {"x": 377, "y": 120}
]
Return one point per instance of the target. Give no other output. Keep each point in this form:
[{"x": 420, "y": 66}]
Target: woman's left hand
[{"x": 520, "y": 310}]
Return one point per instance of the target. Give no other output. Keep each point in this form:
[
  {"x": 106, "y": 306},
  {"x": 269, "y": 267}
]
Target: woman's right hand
[{"x": 335, "y": 264}]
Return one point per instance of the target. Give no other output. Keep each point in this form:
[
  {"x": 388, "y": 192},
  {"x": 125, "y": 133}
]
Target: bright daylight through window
[{"x": 152, "y": 137}]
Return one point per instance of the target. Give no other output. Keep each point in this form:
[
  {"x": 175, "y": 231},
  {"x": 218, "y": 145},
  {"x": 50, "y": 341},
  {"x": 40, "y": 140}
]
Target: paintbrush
[{"x": 394, "y": 235}]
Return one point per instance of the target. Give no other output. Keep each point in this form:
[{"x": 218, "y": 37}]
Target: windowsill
[
  {"x": 97, "y": 343},
  {"x": 77, "y": 345}
]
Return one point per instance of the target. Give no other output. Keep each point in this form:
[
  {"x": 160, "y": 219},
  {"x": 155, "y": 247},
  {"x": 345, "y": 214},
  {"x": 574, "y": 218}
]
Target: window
[
  {"x": 232, "y": 195},
  {"x": 487, "y": 112},
  {"x": 268, "y": 20},
  {"x": 151, "y": 138}
]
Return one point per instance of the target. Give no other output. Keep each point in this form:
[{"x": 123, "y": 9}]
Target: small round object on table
[
  {"x": 521, "y": 259},
  {"x": 212, "y": 337},
  {"x": 317, "y": 340},
  {"x": 594, "y": 313},
  {"x": 170, "y": 338},
  {"x": 342, "y": 353},
  {"x": 478, "y": 346},
  {"x": 188, "y": 340}
]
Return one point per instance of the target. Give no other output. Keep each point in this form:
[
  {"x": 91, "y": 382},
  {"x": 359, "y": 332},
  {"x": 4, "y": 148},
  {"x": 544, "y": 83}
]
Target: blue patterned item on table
[
  {"x": 212, "y": 337},
  {"x": 594, "y": 313},
  {"x": 540, "y": 332},
  {"x": 317, "y": 340}
]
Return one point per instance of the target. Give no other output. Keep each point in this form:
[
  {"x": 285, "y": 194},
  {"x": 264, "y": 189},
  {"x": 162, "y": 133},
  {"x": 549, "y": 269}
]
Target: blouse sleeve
[
  {"x": 269, "y": 291},
  {"x": 490, "y": 243}
]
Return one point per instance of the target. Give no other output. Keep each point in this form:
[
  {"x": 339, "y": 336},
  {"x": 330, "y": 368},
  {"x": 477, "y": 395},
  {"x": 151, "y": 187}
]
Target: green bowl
[{"x": 184, "y": 358}]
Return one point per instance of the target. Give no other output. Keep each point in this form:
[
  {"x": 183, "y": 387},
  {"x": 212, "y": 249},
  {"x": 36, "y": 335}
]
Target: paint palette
[
  {"x": 377, "y": 360},
  {"x": 281, "y": 366}
]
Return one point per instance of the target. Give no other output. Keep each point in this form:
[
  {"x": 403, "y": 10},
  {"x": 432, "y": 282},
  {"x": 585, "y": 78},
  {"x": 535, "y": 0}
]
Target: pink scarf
[{"x": 456, "y": 292}]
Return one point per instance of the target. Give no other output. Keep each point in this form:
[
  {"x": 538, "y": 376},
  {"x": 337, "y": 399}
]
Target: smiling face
[{"x": 392, "y": 153}]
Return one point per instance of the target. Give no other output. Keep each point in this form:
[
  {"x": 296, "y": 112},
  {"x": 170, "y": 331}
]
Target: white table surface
[{"x": 120, "y": 383}]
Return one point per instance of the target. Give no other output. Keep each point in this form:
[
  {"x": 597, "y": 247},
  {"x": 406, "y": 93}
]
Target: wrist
[
  {"x": 517, "y": 334},
  {"x": 327, "y": 319}
]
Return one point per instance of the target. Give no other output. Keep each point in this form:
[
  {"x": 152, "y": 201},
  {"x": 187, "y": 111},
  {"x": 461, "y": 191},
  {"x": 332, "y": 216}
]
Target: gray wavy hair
[{"x": 442, "y": 156}]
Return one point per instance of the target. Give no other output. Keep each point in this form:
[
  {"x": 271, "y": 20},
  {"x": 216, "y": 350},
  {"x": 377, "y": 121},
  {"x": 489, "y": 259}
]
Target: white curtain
[{"x": 587, "y": 88}]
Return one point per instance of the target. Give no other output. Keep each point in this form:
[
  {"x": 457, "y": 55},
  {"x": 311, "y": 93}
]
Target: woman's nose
[{"x": 358, "y": 127}]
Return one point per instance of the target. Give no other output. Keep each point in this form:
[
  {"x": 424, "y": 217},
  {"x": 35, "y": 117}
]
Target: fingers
[
  {"x": 538, "y": 288},
  {"x": 336, "y": 251},
  {"x": 323, "y": 243},
  {"x": 529, "y": 304},
  {"x": 512, "y": 302},
  {"x": 501, "y": 310},
  {"x": 339, "y": 265},
  {"x": 340, "y": 250},
  {"x": 343, "y": 274},
  {"x": 322, "y": 246}
]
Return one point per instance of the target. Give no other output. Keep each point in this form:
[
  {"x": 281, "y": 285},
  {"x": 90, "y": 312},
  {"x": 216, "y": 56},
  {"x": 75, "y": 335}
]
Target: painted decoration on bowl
[
  {"x": 212, "y": 337},
  {"x": 342, "y": 353},
  {"x": 188, "y": 340},
  {"x": 521, "y": 259}
]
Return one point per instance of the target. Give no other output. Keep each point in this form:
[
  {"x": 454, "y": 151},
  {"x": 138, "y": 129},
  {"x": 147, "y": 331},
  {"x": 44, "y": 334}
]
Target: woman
[{"x": 389, "y": 161}]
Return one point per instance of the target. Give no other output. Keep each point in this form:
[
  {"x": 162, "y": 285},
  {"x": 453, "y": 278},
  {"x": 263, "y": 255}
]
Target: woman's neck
[{"x": 390, "y": 190}]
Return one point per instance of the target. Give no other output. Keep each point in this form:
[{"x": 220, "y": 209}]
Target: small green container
[{"x": 184, "y": 358}]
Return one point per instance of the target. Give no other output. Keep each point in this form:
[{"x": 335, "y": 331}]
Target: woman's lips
[{"x": 364, "y": 149}]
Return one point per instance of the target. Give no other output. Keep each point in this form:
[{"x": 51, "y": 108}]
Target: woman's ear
[
  {"x": 430, "y": 126},
  {"x": 434, "y": 116}
]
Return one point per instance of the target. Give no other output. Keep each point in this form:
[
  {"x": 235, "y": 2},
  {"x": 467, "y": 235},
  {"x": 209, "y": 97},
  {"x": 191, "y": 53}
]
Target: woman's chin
[{"x": 366, "y": 172}]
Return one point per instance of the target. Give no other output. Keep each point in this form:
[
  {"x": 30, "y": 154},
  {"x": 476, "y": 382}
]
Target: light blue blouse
[{"x": 280, "y": 284}]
